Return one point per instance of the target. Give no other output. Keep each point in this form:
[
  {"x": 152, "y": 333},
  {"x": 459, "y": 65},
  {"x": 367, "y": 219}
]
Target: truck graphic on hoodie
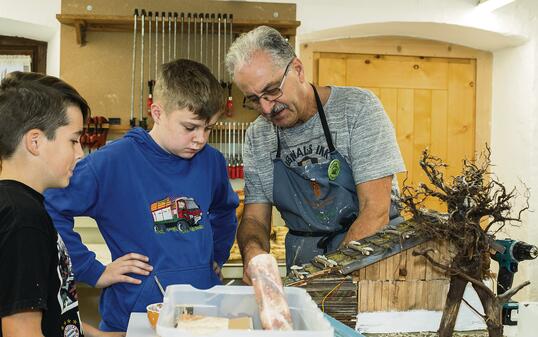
[{"x": 176, "y": 214}]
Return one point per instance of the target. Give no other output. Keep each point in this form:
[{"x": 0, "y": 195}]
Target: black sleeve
[{"x": 25, "y": 262}]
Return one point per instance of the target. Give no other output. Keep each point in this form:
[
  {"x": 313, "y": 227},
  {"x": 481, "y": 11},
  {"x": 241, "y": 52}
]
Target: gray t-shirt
[{"x": 361, "y": 132}]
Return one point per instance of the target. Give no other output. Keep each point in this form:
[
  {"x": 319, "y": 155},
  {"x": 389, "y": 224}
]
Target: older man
[{"x": 326, "y": 157}]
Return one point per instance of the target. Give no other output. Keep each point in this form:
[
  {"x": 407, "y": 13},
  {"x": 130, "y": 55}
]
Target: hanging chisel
[
  {"x": 156, "y": 44},
  {"x": 181, "y": 44},
  {"x": 224, "y": 21},
  {"x": 201, "y": 16},
  {"x": 175, "y": 34},
  {"x": 151, "y": 79},
  {"x": 189, "y": 36},
  {"x": 194, "y": 39},
  {"x": 232, "y": 154},
  {"x": 163, "y": 32},
  {"x": 229, "y": 102},
  {"x": 132, "y": 120},
  {"x": 212, "y": 43},
  {"x": 142, "y": 120},
  {"x": 207, "y": 39},
  {"x": 169, "y": 36},
  {"x": 218, "y": 46}
]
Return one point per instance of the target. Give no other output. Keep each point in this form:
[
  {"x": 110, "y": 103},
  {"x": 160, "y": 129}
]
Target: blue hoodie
[{"x": 178, "y": 212}]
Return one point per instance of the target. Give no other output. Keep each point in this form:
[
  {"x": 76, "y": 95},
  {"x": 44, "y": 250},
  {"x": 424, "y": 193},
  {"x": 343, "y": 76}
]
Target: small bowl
[{"x": 153, "y": 313}]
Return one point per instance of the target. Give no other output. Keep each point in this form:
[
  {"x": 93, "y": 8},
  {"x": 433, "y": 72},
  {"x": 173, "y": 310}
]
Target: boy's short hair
[
  {"x": 34, "y": 101},
  {"x": 188, "y": 84}
]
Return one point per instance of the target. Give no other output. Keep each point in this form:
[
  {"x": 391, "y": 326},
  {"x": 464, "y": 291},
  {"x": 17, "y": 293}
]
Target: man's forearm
[
  {"x": 366, "y": 224},
  {"x": 252, "y": 236}
]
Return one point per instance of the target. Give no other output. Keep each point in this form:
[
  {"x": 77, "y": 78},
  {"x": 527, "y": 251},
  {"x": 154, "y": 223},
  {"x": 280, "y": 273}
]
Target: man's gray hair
[{"x": 264, "y": 39}]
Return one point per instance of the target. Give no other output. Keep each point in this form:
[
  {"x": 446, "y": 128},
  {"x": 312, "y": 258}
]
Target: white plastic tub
[{"x": 239, "y": 301}]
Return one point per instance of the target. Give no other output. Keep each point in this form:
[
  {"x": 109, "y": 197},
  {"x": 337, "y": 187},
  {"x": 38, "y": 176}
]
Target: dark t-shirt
[{"x": 36, "y": 271}]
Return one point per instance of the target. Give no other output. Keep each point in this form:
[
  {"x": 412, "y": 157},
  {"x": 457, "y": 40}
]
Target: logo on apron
[{"x": 334, "y": 169}]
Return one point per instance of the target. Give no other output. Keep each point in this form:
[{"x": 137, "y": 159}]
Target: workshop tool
[
  {"x": 229, "y": 101},
  {"x": 189, "y": 36},
  {"x": 218, "y": 46},
  {"x": 201, "y": 16},
  {"x": 181, "y": 44},
  {"x": 101, "y": 131},
  {"x": 169, "y": 36},
  {"x": 92, "y": 134},
  {"x": 132, "y": 120},
  {"x": 241, "y": 165},
  {"x": 509, "y": 253},
  {"x": 234, "y": 163},
  {"x": 84, "y": 135},
  {"x": 207, "y": 39},
  {"x": 159, "y": 284},
  {"x": 229, "y": 146},
  {"x": 142, "y": 119},
  {"x": 150, "y": 23},
  {"x": 212, "y": 43},
  {"x": 156, "y": 44},
  {"x": 224, "y": 45},
  {"x": 163, "y": 15},
  {"x": 175, "y": 35},
  {"x": 194, "y": 38},
  {"x": 220, "y": 136},
  {"x": 151, "y": 81}
]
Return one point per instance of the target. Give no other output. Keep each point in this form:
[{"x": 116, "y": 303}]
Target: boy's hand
[
  {"x": 218, "y": 270},
  {"x": 116, "y": 271}
]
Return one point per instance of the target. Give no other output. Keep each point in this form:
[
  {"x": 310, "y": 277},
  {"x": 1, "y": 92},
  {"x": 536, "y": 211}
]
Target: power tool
[{"x": 508, "y": 254}]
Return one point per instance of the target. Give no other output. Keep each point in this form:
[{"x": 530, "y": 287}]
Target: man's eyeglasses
[{"x": 253, "y": 102}]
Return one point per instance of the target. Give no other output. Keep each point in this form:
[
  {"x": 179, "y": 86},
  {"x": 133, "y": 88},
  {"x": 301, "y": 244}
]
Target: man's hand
[
  {"x": 249, "y": 255},
  {"x": 218, "y": 270},
  {"x": 357, "y": 233},
  {"x": 374, "y": 196},
  {"x": 116, "y": 271}
]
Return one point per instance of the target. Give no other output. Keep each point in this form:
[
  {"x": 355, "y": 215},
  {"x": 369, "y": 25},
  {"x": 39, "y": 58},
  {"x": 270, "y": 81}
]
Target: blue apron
[{"x": 318, "y": 202}]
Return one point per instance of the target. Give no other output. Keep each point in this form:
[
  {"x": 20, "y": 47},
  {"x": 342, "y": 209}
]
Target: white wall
[
  {"x": 34, "y": 19},
  {"x": 515, "y": 74}
]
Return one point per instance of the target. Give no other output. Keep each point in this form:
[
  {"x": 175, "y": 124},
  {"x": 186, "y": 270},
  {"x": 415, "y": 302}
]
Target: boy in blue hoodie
[{"x": 162, "y": 200}]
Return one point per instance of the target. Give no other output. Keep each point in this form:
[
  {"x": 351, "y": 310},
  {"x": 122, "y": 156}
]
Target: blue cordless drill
[{"x": 508, "y": 254}]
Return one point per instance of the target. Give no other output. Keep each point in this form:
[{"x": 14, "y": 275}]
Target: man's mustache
[{"x": 277, "y": 108}]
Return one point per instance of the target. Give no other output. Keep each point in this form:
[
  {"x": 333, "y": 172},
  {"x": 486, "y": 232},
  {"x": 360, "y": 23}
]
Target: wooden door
[{"x": 430, "y": 101}]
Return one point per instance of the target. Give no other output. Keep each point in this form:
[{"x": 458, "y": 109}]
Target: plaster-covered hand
[
  {"x": 117, "y": 270},
  {"x": 374, "y": 196},
  {"x": 252, "y": 253}
]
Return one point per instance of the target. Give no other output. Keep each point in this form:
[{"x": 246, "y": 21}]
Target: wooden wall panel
[
  {"x": 453, "y": 112},
  {"x": 101, "y": 68}
]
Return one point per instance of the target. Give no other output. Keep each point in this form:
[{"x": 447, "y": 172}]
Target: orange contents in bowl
[{"x": 153, "y": 313}]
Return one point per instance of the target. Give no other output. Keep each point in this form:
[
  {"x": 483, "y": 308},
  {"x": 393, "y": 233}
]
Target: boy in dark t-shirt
[{"x": 41, "y": 122}]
